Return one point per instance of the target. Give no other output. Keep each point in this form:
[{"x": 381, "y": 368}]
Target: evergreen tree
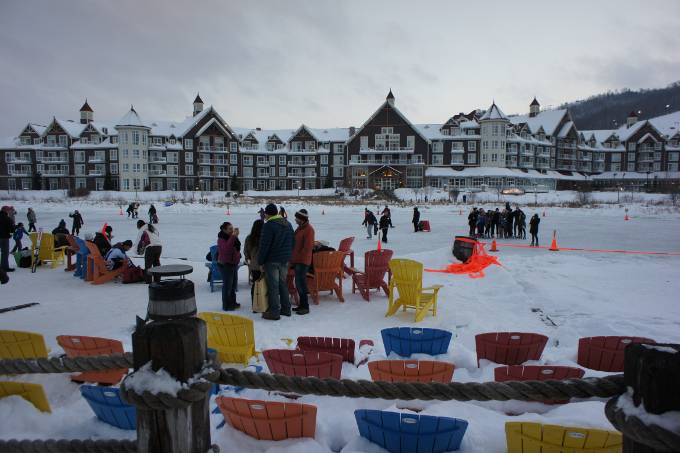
[
  {"x": 37, "y": 181},
  {"x": 108, "y": 182},
  {"x": 235, "y": 185},
  {"x": 328, "y": 182}
]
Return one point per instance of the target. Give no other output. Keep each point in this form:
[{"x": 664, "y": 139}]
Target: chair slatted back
[
  {"x": 303, "y": 363},
  {"x": 411, "y": 371},
  {"x": 509, "y": 348},
  {"x": 605, "y": 353},
  {"x": 341, "y": 346},
  {"x": 15, "y": 344},
  {"x": 527, "y": 437}
]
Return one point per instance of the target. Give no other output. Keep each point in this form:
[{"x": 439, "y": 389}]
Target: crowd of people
[{"x": 506, "y": 224}]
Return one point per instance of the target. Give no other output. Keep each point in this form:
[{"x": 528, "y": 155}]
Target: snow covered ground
[{"x": 583, "y": 293}]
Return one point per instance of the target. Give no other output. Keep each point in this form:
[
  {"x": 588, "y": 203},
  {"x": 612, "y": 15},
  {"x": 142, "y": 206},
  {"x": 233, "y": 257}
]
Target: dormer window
[
  {"x": 84, "y": 140},
  {"x": 105, "y": 130}
]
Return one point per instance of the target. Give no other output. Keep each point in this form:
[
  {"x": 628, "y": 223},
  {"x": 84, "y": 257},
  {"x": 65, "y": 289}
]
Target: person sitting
[
  {"x": 117, "y": 256},
  {"x": 103, "y": 240},
  {"x": 60, "y": 234},
  {"x": 61, "y": 229}
]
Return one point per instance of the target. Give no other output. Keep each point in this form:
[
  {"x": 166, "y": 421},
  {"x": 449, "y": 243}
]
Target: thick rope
[
  {"x": 68, "y": 446},
  {"x": 66, "y": 364},
  {"x": 635, "y": 429}
]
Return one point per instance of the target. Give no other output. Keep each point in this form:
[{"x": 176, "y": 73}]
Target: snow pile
[
  {"x": 146, "y": 379},
  {"x": 668, "y": 420}
]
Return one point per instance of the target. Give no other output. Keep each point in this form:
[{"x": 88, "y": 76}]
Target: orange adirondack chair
[
  {"x": 346, "y": 247},
  {"x": 97, "y": 273},
  {"x": 411, "y": 371},
  {"x": 77, "y": 346},
  {"x": 377, "y": 264},
  {"x": 327, "y": 274},
  {"x": 71, "y": 251}
]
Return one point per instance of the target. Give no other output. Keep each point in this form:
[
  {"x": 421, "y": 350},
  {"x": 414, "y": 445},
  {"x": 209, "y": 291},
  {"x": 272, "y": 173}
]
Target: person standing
[
  {"x": 301, "y": 258},
  {"x": 384, "y": 226},
  {"x": 250, "y": 250},
  {"x": 496, "y": 220},
  {"x": 416, "y": 219},
  {"x": 77, "y": 222},
  {"x": 18, "y": 235},
  {"x": 276, "y": 246},
  {"x": 472, "y": 222},
  {"x": 6, "y": 230},
  {"x": 283, "y": 213},
  {"x": 30, "y": 215},
  {"x": 130, "y": 210},
  {"x": 149, "y": 244},
  {"x": 388, "y": 213},
  {"x": 153, "y": 218},
  {"x": 228, "y": 257},
  {"x": 370, "y": 222},
  {"x": 533, "y": 229}
]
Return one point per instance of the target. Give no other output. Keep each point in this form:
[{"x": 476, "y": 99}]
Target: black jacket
[
  {"x": 384, "y": 222},
  {"x": 369, "y": 219},
  {"x": 533, "y": 225},
  {"x": 102, "y": 243},
  {"x": 6, "y": 226},
  {"x": 77, "y": 220},
  {"x": 416, "y": 216}
]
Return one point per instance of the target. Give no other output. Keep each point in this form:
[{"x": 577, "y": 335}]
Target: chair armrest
[
  {"x": 434, "y": 288},
  {"x": 61, "y": 249},
  {"x": 352, "y": 270}
]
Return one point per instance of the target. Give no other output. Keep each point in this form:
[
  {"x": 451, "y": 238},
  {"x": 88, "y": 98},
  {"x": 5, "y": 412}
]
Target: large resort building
[{"x": 480, "y": 149}]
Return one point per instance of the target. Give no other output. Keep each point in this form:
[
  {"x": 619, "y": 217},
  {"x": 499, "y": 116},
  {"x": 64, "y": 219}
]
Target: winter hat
[
  {"x": 302, "y": 215},
  {"x": 128, "y": 243},
  {"x": 271, "y": 209}
]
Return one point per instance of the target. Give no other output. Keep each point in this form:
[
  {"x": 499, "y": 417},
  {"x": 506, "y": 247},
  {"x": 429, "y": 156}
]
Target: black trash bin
[{"x": 462, "y": 248}]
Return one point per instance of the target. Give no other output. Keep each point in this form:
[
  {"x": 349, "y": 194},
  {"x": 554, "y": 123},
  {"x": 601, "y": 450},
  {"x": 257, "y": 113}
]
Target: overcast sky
[{"x": 325, "y": 63}]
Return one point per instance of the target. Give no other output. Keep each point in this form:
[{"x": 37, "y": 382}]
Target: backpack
[{"x": 133, "y": 274}]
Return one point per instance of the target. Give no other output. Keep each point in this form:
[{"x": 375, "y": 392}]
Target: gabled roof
[
  {"x": 390, "y": 95},
  {"x": 184, "y": 127},
  {"x": 70, "y": 127},
  {"x": 131, "y": 119},
  {"x": 534, "y": 102},
  {"x": 37, "y": 128},
  {"x": 625, "y": 132},
  {"x": 565, "y": 129},
  {"x": 601, "y": 135},
  {"x": 297, "y": 131},
  {"x": 667, "y": 124},
  {"x": 216, "y": 123},
  {"x": 398, "y": 112},
  {"x": 548, "y": 119},
  {"x": 86, "y": 107},
  {"x": 493, "y": 113},
  {"x": 198, "y": 99},
  {"x": 646, "y": 136}
]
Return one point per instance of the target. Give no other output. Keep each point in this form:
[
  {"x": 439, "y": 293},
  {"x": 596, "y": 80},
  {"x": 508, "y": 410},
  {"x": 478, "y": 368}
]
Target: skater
[
  {"x": 77, "y": 222},
  {"x": 533, "y": 229},
  {"x": 117, "y": 256},
  {"x": 6, "y": 230},
  {"x": 149, "y": 245},
  {"x": 228, "y": 257},
  {"x": 30, "y": 215},
  {"x": 301, "y": 258},
  {"x": 250, "y": 249},
  {"x": 19, "y": 233},
  {"x": 261, "y": 212},
  {"x": 276, "y": 246},
  {"x": 521, "y": 224},
  {"x": 481, "y": 217},
  {"x": 472, "y": 221},
  {"x": 130, "y": 210},
  {"x": 153, "y": 218},
  {"x": 416, "y": 220},
  {"x": 102, "y": 239},
  {"x": 509, "y": 222},
  {"x": 135, "y": 210},
  {"x": 384, "y": 226},
  {"x": 370, "y": 222},
  {"x": 387, "y": 212},
  {"x": 495, "y": 222}
]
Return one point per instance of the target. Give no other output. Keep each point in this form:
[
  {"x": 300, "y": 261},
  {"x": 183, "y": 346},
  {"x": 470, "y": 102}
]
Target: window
[
  {"x": 437, "y": 159},
  {"x": 189, "y": 170},
  {"x": 113, "y": 154},
  {"x": 188, "y": 156},
  {"x": 631, "y": 157},
  {"x": 79, "y": 156},
  {"x": 188, "y": 143},
  {"x": 126, "y": 168},
  {"x": 136, "y": 168},
  {"x": 338, "y": 160},
  {"x": 282, "y": 160},
  {"x": 310, "y": 145},
  {"x": 247, "y": 160},
  {"x": 410, "y": 142},
  {"x": 247, "y": 172},
  {"x": 673, "y": 157},
  {"x": 324, "y": 159},
  {"x": 114, "y": 169},
  {"x": 437, "y": 147},
  {"x": 631, "y": 146},
  {"x": 80, "y": 169},
  {"x": 135, "y": 154},
  {"x": 471, "y": 158},
  {"x": 173, "y": 157},
  {"x": 616, "y": 157},
  {"x": 364, "y": 142},
  {"x": 126, "y": 153},
  {"x": 135, "y": 137},
  {"x": 126, "y": 184},
  {"x": 272, "y": 160},
  {"x": 83, "y": 140},
  {"x": 233, "y": 170},
  {"x": 37, "y": 141},
  {"x": 114, "y": 139},
  {"x": 282, "y": 171},
  {"x": 233, "y": 158},
  {"x": 485, "y": 157},
  {"x": 338, "y": 172},
  {"x": 63, "y": 140},
  {"x": 324, "y": 171},
  {"x": 657, "y": 146},
  {"x": 494, "y": 157},
  {"x": 233, "y": 147}
]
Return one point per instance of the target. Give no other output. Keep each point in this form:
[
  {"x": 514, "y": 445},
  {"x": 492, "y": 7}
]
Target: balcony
[
  {"x": 97, "y": 159},
  {"x": 306, "y": 175},
  {"x": 95, "y": 173},
  {"x": 262, "y": 163},
  {"x": 18, "y": 160},
  {"x": 18, "y": 173},
  {"x": 394, "y": 150},
  {"x": 302, "y": 163},
  {"x": 527, "y": 153},
  {"x": 542, "y": 165},
  {"x": 457, "y": 150},
  {"x": 158, "y": 160},
  {"x": 212, "y": 162},
  {"x": 52, "y": 159},
  {"x": 54, "y": 145},
  {"x": 303, "y": 150},
  {"x": 212, "y": 149},
  {"x": 566, "y": 167},
  {"x": 511, "y": 151},
  {"x": 543, "y": 155},
  {"x": 457, "y": 162},
  {"x": 566, "y": 155},
  {"x": 47, "y": 173},
  {"x": 250, "y": 148},
  {"x": 158, "y": 173},
  {"x": 403, "y": 161}
]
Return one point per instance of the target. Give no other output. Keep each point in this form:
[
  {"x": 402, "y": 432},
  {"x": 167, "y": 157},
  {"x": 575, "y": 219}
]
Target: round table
[{"x": 171, "y": 270}]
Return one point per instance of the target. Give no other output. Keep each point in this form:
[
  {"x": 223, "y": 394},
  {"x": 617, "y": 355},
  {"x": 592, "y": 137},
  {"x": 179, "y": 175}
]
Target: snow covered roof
[
  {"x": 397, "y": 111},
  {"x": 8, "y": 142},
  {"x": 448, "y": 172},
  {"x": 565, "y": 129},
  {"x": 494, "y": 113},
  {"x": 106, "y": 143},
  {"x": 70, "y": 127},
  {"x": 335, "y": 134},
  {"x": 601, "y": 135},
  {"x": 637, "y": 175},
  {"x": 548, "y": 119},
  {"x": 131, "y": 119},
  {"x": 625, "y": 132},
  {"x": 668, "y": 125}
]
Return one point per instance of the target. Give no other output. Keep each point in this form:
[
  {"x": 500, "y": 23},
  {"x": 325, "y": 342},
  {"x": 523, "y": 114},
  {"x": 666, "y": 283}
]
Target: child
[{"x": 19, "y": 233}]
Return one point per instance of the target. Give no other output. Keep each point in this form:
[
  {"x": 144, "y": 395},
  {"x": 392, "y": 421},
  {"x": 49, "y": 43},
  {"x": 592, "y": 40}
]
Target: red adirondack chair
[
  {"x": 71, "y": 251},
  {"x": 290, "y": 362},
  {"x": 605, "y": 353},
  {"x": 377, "y": 264},
  {"x": 346, "y": 247},
  {"x": 292, "y": 290},
  {"x": 327, "y": 275},
  {"x": 411, "y": 371},
  {"x": 341, "y": 346},
  {"x": 509, "y": 348},
  {"x": 537, "y": 373},
  {"x": 269, "y": 420},
  {"x": 78, "y": 346}
]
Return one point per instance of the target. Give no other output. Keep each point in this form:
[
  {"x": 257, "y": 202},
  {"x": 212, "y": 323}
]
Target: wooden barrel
[
  {"x": 463, "y": 247},
  {"x": 170, "y": 299}
]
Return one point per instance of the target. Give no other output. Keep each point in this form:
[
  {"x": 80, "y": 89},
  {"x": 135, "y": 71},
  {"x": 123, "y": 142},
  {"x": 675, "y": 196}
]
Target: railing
[
  {"x": 262, "y": 164},
  {"x": 295, "y": 163},
  {"x": 303, "y": 150},
  {"x": 404, "y": 149},
  {"x": 457, "y": 162},
  {"x": 157, "y": 173},
  {"x": 52, "y": 159},
  {"x": 18, "y": 173},
  {"x": 98, "y": 160},
  {"x": 54, "y": 173},
  {"x": 385, "y": 162},
  {"x": 53, "y": 145},
  {"x": 212, "y": 149},
  {"x": 158, "y": 160},
  {"x": 212, "y": 162},
  {"x": 95, "y": 173},
  {"x": 18, "y": 160},
  {"x": 250, "y": 148}
]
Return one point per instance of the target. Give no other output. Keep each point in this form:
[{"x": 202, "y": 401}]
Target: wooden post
[
  {"x": 653, "y": 372},
  {"x": 176, "y": 341}
]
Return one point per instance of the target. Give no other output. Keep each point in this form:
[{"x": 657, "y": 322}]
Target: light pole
[
  {"x": 299, "y": 183},
  {"x": 647, "y": 183}
]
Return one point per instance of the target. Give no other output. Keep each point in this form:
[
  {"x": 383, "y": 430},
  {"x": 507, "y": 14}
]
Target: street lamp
[
  {"x": 647, "y": 183},
  {"x": 299, "y": 183}
]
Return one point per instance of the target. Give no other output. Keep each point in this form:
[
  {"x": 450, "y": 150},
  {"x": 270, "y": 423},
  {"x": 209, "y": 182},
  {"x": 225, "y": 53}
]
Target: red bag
[{"x": 133, "y": 274}]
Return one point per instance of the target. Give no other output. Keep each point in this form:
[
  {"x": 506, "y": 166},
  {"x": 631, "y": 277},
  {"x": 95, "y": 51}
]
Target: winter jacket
[
  {"x": 250, "y": 250},
  {"x": 302, "y": 247},
  {"x": 146, "y": 238},
  {"x": 369, "y": 219},
  {"x": 276, "y": 241},
  {"x": 533, "y": 225},
  {"x": 472, "y": 218},
  {"x": 384, "y": 222},
  {"x": 227, "y": 250},
  {"x": 61, "y": 229},
  {"x": 31, "y": 216},
  {"x": 416, "y": 217},
  {"x": 102, "y": 242},
  {"x": 6, "y": 226},
  {"x": 19, "y": 233},
  {"x": 77, "y": 220}
]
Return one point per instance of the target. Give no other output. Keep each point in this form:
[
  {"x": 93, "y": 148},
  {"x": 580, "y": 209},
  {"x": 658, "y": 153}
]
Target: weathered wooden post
[
  {"x": 174, "y": 340},
  {"x": 652, "y": 371}
]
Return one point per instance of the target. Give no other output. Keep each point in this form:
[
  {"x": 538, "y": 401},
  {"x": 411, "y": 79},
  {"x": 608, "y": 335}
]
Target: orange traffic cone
[
  {"x": 493, "y": 246},
  {"x": 626, "y": 217},
  {"x": 379, "y": 244},
  {"x": 553, "y": 245}
]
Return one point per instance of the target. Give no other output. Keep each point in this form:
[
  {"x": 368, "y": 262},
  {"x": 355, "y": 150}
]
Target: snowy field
[{"x": 583, "y": 293}]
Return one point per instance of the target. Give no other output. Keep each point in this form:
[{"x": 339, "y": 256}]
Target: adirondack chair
[
  {"x": 345, "y": 247},
  {"x": 81, "y": 261},
  {"x": 303, "y": 363},
  {"x": 411, "y": 371},
  {"x": 409, "y": 433},
  {"x": 537, "y": 373},
  {"x": 232, "y": 336},
  {"x": 71, "y": 251},
  {"x": 47, "y": 252},
  {"x": 605, "y": 353},
  {"x": 407, "y": 279},
  {"x": 377, "y": 264},
  {"x": 509, "y": 348},
  {"x": 341, "y": 346},
  {"x": 33, "y": 393},
  {"x": 412, "y": 340},
  {"x": 15, "y": 344},
  {"x": 215, "y": 274},
  {"x": 292, "y": 289},
  {"x": 109, "y": 407},
  {"x": 526, "y": 437},
  {"x": 269, "y": 420},
  {"x": 97, "y": 273},
  {"x": 78, "y": 346},
  {"x": 327, "y": 275}
]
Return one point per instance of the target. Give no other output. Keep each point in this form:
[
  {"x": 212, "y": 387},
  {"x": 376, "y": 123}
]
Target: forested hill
[{"x": 600, "y": 111}]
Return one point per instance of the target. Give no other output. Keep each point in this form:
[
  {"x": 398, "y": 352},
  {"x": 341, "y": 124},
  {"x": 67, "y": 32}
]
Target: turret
[
  {"x": 198, "y": 105},
  {"x": 534, "y": 108},
  {"x": 632, "y": 118},
  {"x": 86, "y": 113},
  {"x": 390, "y": 98}
]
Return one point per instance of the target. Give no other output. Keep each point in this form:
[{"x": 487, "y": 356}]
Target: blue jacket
[
  {"x": 19, "y": 234},
  {"x": 276, "y": 241}
]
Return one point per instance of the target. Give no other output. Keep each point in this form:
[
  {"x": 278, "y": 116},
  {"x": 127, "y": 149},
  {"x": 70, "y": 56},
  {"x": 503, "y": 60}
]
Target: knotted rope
[
  {"x": 68, "y": 446},
  {"x": 653, "y": 436},
  {"x": 66, "y": 364}
]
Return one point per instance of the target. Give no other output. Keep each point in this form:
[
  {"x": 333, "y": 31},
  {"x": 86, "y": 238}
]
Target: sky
[{"x": 324, "y": 63}]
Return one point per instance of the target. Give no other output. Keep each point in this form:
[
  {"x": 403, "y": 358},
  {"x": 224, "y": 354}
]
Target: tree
[
  {"x": 235, "y": 185},
  {"x": 108, "y": 182},
  {"x": 328, "y": 182},
  {"x": 37, "y": 181}
]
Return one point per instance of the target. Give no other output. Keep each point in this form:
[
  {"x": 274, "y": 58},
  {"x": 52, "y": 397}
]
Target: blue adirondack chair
[
  {"x": 215, "y": 274},
  {"x": 109, "y": 408},
  {"x": 407, "y": 433},
  {"x": 81, "y": 259},
  {"x": 409, "y": 340}
]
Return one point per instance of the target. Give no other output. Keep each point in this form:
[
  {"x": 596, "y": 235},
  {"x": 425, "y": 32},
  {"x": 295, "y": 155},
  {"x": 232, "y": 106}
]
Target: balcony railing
[
  {"x": 394, "y": 150},
  {"x": 303, "y": 150},
  {"x": 157, "y": 160},
  {"x": 306, "y": 175},
  {"x": 18, "y": 160},
  {"x": 542, "y": 165},
  {"x": 54, "y": 173},
  {"x": 212, "y": 162},
  {"x": 54, "y": 145},
  {"x": 262, "y": 164},
  {"x": 52, "y": 159},
  {"x": 157, "y": 173},
  {"x": 385, "y": 162},
  {"x": 95, "y": 173},
  {"x": 18, "y": 173},
  {"x": 212, "y": 149},
  {"x": 250, "y": 148},
  {"x": 96, "y": 159},
  {"x": 301, "y": 163}
]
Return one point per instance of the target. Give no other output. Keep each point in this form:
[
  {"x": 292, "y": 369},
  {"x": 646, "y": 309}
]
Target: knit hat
[
  {"x": 302, "y": 215},
  {"x": 271, "y": 209}
]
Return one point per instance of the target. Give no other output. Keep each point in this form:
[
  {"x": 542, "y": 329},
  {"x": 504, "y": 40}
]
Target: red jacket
[
  {"x": 227, "y": 253},
  {"x": 304, "y": 242}
]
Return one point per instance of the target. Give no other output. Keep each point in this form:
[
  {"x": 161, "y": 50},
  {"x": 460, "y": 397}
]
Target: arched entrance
[{"x": 385, "y": 178}]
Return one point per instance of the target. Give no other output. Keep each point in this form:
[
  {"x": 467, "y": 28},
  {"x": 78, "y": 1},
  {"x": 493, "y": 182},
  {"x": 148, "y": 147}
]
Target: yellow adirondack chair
[
  {"x": 33, "y": 393},
  {"x": 232, "y": 336},
  {"x": 47, "y": 252},
  {"x": 525, "y": 437},
  {"x": 407, "y": 278},
  {"x": 15, "y": 344}
]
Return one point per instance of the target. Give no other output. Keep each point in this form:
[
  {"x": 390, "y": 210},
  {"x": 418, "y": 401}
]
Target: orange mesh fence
[
  {"x": 577, "y": 249},
  {"x": 475, "y": 265}
]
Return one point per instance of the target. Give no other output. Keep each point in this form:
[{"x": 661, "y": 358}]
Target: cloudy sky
[{"x": 325, "y": 63}]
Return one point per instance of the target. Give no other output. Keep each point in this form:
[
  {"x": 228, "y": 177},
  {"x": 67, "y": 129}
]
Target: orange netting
[{"x": 475, "y": 265}]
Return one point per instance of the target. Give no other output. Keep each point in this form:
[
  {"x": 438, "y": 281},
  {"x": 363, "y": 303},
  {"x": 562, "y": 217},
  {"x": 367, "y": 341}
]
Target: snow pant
[
  {"x": 301, "y": 284},
  {"x": 534, "y": 239},
  {"x": 17, "y": 245},
  {"x": 415, "y": 226},
  {"x": 472, "y": 230},
  {"x": 277, "y": 288},
  {"x": 369, "y": 230},
  {"x": 4, "y": 278},
  {"x": 228, "y": 285},
  {"x": 152, "y": 257},
  {"x": 4, "y": 253},
  {"x": 31, "y": 226},
  {"x": 384, "y": 234}
]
